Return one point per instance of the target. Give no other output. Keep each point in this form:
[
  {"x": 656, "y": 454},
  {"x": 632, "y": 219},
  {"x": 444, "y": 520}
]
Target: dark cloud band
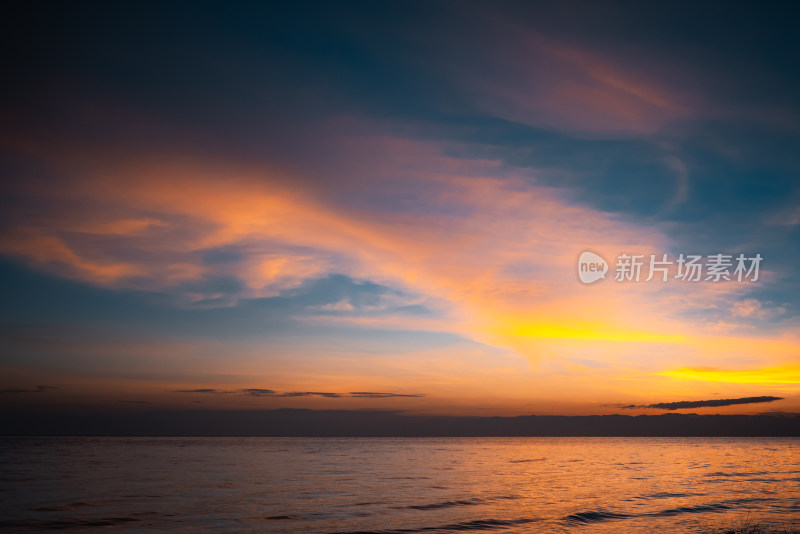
[
  {"x": 680, "y": 405},
  {"x": 263, "y": 392}
]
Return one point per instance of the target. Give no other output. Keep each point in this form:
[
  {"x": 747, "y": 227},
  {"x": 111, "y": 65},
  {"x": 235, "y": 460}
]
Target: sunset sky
[{"x": 380, "y": 205}]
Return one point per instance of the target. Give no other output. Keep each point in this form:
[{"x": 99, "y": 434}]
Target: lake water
[{"x": 388, "y": 485}]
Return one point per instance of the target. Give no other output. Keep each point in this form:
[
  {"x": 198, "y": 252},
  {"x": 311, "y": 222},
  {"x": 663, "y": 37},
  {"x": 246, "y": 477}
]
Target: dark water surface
[{"x": 323, "y": 485}]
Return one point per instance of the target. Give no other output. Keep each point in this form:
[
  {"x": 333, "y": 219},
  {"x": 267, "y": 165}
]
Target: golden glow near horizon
[
  {"x": 789, "y": 374},
  {"x": 601, "y": 332}
]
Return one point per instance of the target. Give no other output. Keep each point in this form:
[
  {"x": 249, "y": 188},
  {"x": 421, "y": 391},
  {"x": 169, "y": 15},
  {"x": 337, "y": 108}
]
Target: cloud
[
  {"x": 680, "y": 405},
  {"x": 339, "y": 294},
  {"x": 263, "y": 392},
  {"x": 37, "y": 389},
  {"x": 754, "y": 309},
  {"x": 552, "y": 83},
  {"x": 349, "y": 228},
  {"x": 212, "y": 285},
  {"x": 328, "y": 395},
  {"x": 372, "y": 395},
  {"x": 310, "y": 394},
  {"x": 258, "y": 392},
  {"x": 475, "y": 249}
]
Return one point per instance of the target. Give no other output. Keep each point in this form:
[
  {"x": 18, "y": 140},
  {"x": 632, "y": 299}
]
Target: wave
[
  {"x": 478, "y": 524},
  {"x": 749, "y": 500},
  {"x": 691, "y": 510},
  {"x": 666, "y": 495},
  {"x": 38, "y": 525},
  {"x": 282, "y": 518},
  {"x": 448, "y": 504},
  {"x": 74, "y": 506},
  {"x": 593, "y": 516},
  {"x": 598, "y": 516},
  {"x": 743, "y": 474}
]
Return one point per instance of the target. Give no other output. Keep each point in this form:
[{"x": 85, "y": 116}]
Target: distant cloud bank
[{"x": 262, "y": 392}]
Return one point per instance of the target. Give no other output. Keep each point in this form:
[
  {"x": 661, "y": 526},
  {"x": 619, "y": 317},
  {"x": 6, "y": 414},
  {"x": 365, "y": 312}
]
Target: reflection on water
[{"x": 398, "y": 484}]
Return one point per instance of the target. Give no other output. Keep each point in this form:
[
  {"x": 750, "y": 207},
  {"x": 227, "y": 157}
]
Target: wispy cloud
[
  {"x": 487, "y": 254},
  {"x": 547, "y": 82}
]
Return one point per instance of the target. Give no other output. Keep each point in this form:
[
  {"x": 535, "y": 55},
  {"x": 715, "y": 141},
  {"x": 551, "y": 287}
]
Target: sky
[{"x": 381, "y": 206}]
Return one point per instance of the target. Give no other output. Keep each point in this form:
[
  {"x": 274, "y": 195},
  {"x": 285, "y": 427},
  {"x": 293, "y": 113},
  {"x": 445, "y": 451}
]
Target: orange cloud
[{"x": 493, "y": 255}]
